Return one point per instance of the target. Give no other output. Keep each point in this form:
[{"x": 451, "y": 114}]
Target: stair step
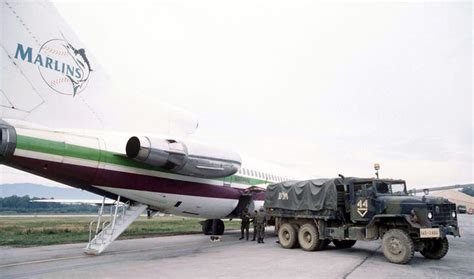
[{"x": 123, "y": 219}]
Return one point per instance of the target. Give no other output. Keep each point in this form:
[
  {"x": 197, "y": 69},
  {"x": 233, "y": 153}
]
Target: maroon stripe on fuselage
[{"x": 116, "y": 179}]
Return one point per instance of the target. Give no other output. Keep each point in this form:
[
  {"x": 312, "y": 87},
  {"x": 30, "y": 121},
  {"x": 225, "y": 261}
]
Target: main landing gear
[{"x": 213, "y": 227}]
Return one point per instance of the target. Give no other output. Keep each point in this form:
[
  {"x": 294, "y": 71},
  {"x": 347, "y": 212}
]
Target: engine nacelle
[
  {"x": 190, "y": 158},
  {"x": 7, "y": 140}
]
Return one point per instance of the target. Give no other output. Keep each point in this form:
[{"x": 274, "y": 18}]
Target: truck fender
[{"x": 371, "y": 230}]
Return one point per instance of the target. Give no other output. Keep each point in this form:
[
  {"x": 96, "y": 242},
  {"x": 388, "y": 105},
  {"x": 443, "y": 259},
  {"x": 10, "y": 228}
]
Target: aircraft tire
[{"x": 207, "y": 227}]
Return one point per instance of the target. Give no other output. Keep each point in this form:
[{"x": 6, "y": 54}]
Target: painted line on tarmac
[
  {"x": 361, "y": 263},
  {"x": 180, "y": 247},
  {"x": 43, "y": 261}
]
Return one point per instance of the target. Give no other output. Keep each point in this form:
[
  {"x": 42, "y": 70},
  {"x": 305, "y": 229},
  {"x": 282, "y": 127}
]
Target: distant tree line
[
  {"x": 468, "y": 191},
  {"x": 16, "y": 204}
]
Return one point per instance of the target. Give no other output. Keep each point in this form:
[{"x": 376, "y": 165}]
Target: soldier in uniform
[
  {"x": 245, "y": 216},
  {"x": 254, "y": 221},
  {"x": 261, "y": 219}
]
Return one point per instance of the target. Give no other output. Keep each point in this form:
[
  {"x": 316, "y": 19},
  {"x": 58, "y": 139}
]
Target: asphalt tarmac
[{"x": 194, "y": 256}]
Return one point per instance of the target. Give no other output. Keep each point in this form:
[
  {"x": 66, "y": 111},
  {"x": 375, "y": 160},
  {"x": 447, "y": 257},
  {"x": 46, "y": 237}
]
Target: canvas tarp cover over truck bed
[{"x": 314, "y": 195}]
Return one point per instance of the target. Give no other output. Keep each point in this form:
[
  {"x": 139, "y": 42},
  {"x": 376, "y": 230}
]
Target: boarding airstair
[{"x": 107, "y": 227}]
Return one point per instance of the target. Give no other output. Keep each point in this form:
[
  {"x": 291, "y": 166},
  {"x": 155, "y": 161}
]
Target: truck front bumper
[
  {"x": 449, "y": 230},
  {"x": 439, "y": 232}
]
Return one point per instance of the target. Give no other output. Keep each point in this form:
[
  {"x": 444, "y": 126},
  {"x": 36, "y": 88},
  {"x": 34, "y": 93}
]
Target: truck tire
[
  {"x": 435, "y": 249},
  {"x": 343, "y": 244},
  {"x": 308, "y": 238},
  {"x": 397, "y": 246},
  {"x": 287, "y": 236}
]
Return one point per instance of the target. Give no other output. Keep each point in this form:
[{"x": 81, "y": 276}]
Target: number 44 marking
[{"x": 362, "y": 207}]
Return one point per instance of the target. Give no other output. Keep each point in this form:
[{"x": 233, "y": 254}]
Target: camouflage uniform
[
  {"x": 261, "y": 220},
  {"x": 245, "y": 216},
  {"x": 254, "y": 221}
]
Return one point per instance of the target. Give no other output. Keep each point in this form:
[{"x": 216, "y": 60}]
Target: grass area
[{"x": 34, "y": 231}]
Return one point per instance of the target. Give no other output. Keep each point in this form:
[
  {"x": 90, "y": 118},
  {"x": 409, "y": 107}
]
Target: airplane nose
[{"x": 7, "y": 140}]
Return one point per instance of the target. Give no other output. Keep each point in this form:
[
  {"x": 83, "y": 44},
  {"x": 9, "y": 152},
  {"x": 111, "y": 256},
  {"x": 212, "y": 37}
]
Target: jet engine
[
  {"x": 7, "y": 140},
  {"x": 190, "y": 158}
]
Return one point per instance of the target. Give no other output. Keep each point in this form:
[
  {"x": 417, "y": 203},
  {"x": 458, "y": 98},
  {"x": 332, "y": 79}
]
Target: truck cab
[
  {"x": 367, "y": 195},
  {"x": 376, "y": 201}
]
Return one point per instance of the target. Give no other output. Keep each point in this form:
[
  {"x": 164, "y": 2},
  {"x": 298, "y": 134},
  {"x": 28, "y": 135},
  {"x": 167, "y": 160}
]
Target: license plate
[{"x": 429, "y": 233}]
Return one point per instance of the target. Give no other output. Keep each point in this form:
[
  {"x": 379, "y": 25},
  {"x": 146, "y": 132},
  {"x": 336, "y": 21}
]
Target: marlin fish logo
[
  {"x": 64, "y": 68},
  {"x": 80, "y": 58}
]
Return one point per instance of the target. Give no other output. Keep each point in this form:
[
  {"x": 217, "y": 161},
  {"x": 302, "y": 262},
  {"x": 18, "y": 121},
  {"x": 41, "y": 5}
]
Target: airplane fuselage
[{"x": 93, "y": 162}]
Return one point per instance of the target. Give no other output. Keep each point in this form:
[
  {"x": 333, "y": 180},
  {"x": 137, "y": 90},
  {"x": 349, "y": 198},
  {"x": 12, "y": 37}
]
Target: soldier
[
  {"x": 254, "y": 221},
  {"x": 245, "y": 216},
  {"x": 261, "y": 219}
]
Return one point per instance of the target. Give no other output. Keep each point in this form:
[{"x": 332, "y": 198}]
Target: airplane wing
[{"x": 72, "y": 201}]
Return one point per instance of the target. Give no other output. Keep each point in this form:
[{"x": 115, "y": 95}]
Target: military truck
[
  {"x": 313, "y": 213},
  {"x": 462, "y": 209}
]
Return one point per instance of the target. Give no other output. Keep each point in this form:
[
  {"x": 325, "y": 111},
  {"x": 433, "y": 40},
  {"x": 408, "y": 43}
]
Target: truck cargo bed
[{"x": 312, "y": 214}]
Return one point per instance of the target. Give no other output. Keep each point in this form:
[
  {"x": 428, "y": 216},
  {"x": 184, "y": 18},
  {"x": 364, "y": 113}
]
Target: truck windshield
[{"x": 394, "y": 188}]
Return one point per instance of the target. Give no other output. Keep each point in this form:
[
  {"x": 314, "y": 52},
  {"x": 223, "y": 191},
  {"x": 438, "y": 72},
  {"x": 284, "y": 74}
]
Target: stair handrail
[
  {"x": 90, "y": 230},
  {"x": 124, "y": 209},
  {"x": 101, "y": 210},
  {"x": 105, "y": 224},
  {"x": 115, "y": 214}
]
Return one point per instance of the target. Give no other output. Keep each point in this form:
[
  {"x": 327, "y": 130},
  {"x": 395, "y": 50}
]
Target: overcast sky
[{"x": 323, "y": 87}]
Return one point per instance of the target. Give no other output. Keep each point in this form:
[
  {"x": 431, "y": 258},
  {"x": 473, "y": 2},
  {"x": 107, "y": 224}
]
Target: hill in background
[{"x": 41, "y": 191}]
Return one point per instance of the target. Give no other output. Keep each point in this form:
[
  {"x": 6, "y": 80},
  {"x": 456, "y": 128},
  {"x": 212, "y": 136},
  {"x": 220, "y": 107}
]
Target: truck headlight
[
  {"x": 453, "y": 214},
  {"x": 430, "y": 215}
]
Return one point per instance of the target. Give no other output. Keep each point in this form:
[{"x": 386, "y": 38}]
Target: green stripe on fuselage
[
  {"x": 87, "y": 153},
  {"x": 40, "y": 145}
]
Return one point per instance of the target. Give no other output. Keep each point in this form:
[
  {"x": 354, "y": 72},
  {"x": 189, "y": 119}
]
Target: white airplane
[{"x": 61, "y": 118}]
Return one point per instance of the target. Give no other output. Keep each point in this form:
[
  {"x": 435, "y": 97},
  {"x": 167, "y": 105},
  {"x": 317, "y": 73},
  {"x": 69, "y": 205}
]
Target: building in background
[{"x": 456, "y": 197}]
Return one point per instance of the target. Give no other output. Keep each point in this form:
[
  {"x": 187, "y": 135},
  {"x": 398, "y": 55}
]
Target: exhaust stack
[{"x": 7, "y": 141}]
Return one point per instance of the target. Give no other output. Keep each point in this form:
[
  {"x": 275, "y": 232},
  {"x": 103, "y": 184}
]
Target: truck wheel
[
  {"x": 343, "y": 244},
  {"x": 397, "y": 246},
  {"x": 287, "y": 236},
  {"x": 308, "y": 238},
  {"x": 436, "y": 248}
]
